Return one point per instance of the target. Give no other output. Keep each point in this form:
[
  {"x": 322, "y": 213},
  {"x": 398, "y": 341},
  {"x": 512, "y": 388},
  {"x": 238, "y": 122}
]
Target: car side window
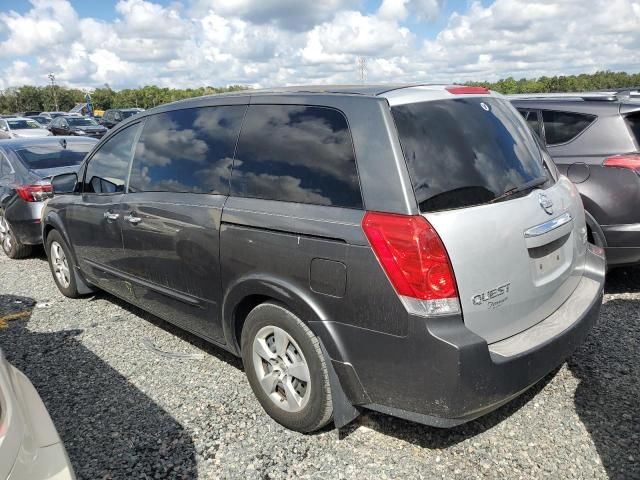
[
  {"x": 187, "y": 151},
  {"x": 298, "y": 154},
  {"x": 562, "y": 127},
  {"x": 108, "y": 168},
  {"x": 531, "y": 116}
]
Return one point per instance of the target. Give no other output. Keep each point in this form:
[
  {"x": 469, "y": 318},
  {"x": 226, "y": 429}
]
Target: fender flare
[
  {"x": 302, "y": 305},
  {"x": 596, "y": 230}
]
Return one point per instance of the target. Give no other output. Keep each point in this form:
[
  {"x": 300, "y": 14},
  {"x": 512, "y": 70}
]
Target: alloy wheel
[
  {"x": 60, "y": 265},
  {"x": 5, "y": 234},
  {"x": 281, "y": 369}
]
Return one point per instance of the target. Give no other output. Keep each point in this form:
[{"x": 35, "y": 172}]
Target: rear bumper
[
  {"x": 623, "y": 244},
  {"x": 24, "y": 218},
  {"x": 442, "y": 374}
]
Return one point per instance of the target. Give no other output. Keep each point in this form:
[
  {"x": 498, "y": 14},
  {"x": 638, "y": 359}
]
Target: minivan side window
[
  {"x": 108, "y": 168},
  {"x": 562, "y": 127},
  {"x": 187, "y": 151},
  {"x": 298, "y": 154}
]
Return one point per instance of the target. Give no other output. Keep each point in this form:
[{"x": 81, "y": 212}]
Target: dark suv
[
  {"x": 112, "y": 117},
  {"x": 410, "y": 250},
  {"x": 594, "y": 140}
]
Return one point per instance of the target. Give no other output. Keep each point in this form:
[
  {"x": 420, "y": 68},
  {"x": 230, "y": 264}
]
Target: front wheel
[
  {"x": 286, "y": 368},
  {"x": 62, "y": 265}
]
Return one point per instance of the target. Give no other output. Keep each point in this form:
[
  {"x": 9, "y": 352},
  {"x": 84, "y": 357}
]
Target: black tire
[
  {"x": 11, "y": 246},
  {"x": 318, "y": 410},
  {"x": 70, "y": 290}
]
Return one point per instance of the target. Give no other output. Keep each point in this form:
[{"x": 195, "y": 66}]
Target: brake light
[
  {"x": 630, "y": 161},
  {"x": 466, "y": 90},
  {"x": 35, "y": 193},
  {"x": 415, "y": 260}
]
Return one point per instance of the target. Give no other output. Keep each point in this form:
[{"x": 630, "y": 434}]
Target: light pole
[{"x": 52, "y": 77}]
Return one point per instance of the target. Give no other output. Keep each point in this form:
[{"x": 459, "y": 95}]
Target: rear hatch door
[{"x": 514, "y": 230}]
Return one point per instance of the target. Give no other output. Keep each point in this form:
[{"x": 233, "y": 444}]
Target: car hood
[{"x": 31, "y": 132}]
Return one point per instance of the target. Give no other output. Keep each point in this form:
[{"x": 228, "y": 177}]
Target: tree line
[
  {"x": 584, "y": 82},
  {"x": 32, "y": 98}
]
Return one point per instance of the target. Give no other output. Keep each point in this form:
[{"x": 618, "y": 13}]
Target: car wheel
[
  {"x": 62, "y": 265},
  {"x": 10, "y": 244},
  {"x": 286, "y": 368}
]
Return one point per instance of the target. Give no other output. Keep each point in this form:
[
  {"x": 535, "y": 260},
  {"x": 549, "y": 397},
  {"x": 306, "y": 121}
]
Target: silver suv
[{"x": 410, "y": 250}]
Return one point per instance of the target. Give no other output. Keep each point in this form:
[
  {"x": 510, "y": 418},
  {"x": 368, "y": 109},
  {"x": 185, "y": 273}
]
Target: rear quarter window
[
  {"x": 294, "y": 153},
  {"x": 465, "y": 152},
  {"x": 562, "y": 127}
]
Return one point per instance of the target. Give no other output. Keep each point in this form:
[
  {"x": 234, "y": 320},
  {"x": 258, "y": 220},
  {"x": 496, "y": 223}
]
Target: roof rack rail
[{"x": 577, "y": 96}]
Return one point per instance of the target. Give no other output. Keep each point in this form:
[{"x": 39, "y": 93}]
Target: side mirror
[{"x": 64, "y": 183}]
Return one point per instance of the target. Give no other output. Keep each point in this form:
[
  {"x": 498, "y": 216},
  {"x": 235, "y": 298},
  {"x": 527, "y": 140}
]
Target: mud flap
[{"x": 343, "y": 411}]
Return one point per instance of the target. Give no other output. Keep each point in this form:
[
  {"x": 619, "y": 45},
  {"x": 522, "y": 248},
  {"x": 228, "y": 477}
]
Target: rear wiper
[{"x": 531, "y": 184}]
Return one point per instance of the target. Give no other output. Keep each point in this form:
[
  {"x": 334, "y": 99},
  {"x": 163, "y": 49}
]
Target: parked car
[
  {"x": 18, "y": 127},
  {"x": 594, "y": 139},
  {"x": 30, "y": 447},
  {"x": 410, "y": 250},
  {"x": 26, "y": 166},
  {"x": 41, "y": 119},
  {"x": 53, "y": 115},
  {"x": 112, "y": 117},
  {"x": 76, "y": 125}
]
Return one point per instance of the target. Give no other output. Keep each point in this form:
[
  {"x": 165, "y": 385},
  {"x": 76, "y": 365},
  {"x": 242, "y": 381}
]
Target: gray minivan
[{"x": 410, "y": 250}]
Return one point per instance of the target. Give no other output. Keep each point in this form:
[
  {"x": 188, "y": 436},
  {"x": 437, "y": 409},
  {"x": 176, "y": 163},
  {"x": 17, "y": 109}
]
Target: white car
[
  {"x": 19, "y": 127},
  {"x": 30, "y": 447}
]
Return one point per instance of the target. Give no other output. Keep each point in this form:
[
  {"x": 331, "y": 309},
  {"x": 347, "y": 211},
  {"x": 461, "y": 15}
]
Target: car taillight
[
  {"x": 34, "y": 193},
  {"x": 630, "y": 161},
  {"x": 466, "y": 90},
  {"x": 415, "y": 260}
]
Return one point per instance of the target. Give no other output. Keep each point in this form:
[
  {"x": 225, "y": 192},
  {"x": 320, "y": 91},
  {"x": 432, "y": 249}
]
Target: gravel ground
[{"x": 124, "y": 410}]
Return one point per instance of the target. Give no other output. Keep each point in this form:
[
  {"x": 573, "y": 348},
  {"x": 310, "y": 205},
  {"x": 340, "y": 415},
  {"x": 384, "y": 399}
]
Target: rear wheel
[
  {"x": 286, "y": 368},
  {"x": 62, "y": 265},
  {"x": 10, "y": 244}
]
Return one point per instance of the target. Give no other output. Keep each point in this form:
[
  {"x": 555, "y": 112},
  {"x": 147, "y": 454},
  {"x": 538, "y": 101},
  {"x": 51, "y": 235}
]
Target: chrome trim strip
[{"x": 548, "y": 226}]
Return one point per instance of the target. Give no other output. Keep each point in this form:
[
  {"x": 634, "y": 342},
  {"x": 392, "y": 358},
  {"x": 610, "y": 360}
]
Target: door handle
[
  {"x": 111, "y": 215},
  {"x": 132, "y": 219}
]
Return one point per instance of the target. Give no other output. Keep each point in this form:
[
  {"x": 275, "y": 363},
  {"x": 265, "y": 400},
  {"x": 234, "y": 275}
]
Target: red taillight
[
  {"x": 35, "y": 193},
  {"x": 630, "y": 161},
  {"x": 413, "y": 256},
  {"x": 465, "y": 90}
]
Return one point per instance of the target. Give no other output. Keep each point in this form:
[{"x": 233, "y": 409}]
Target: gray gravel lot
[{"x": 125, "y": 411}]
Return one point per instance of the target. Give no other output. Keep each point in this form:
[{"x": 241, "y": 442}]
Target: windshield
[
  {"x": 54, "y": 156},
  {"x": 466, "y": 151},
  {"x": 81, "y": 122},
  {"x": 23, "y": 124},
  {"x": 128, "y": 113}
]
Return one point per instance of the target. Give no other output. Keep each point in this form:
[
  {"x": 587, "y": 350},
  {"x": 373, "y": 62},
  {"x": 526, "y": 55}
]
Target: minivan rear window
[{"x": 465, "y": 152}]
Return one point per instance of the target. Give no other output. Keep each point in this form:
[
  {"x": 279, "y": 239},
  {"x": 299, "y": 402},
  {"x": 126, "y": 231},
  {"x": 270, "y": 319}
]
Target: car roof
[{"x": 20, "y": 143}]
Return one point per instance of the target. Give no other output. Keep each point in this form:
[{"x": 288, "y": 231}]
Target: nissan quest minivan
[{"x": 405, "y": 249}]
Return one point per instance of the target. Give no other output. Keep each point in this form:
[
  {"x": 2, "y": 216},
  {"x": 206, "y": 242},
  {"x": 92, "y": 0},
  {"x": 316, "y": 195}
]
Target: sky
[{"x": 193, "y": 43}]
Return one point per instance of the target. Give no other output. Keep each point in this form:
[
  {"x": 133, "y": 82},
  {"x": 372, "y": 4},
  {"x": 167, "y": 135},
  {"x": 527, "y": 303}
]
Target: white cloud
[{"x": 275, "y": 42}]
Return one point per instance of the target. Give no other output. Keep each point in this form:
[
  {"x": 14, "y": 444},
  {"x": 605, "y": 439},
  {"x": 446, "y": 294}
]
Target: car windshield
[
  {"x": 53, "y": 156},
  {"x": 128, "y": 113},
  {"x": 23, "y": 124},
  {"x": 81, "y": 122},
  {"x": 467, "y": 151},
  {"x": 56, "y": 114}
]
